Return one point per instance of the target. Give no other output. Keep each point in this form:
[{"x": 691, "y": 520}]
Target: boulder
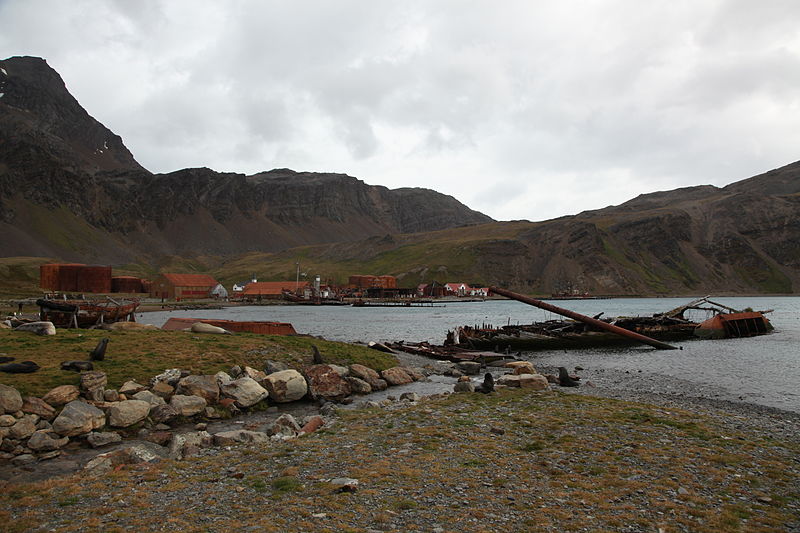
[
  {"x": 98, "y": 439},
  {"x": 185, "y": 444},
  {"x": 161, "y": 414},
  {"x": 149, "y": 397},
  {"x": 127, "y": 413},
  {"x": 6, "y": 421},
  {"x": 369, "y": 375},
  {"x": 464, "y": 386},
  {"x": 163, "y": 390},
  {"x": 508, "y": 380},
  {"x": 93, "y": 384},
  {"x": 358, "y": 386},
  {"x": 170, "y": 377},
  {"x": 46, "y": 440},
  {"x": 245, "y": 391},
  {"x": 254, "y": 374},
  {"x": 129, "y": 388},
  {"x": 10, "y": 399},
  {"x": 312, "y": 424},
  {"x": 470, "y": 368},
  {"x": 187, "y": 405},
  {"x": 286, "y": 386},
  {"x": 224, "y": 377},
  {"x": 341, "y": 370},
  {"x": 271, "y": 367},
  {"x": 78, "y": 418},
  {"x": 324, "y": 382},
  {"x": 144, "y": 452},
  {"x": 204, "y": 386},
  {"x": 24, "y": 428},
  {"x": 227, "y": 438},
  {"x": 415, "y": 373},
  {"x": 533, "y": 381},
  {"x": 396, "y": 376},
  {"x": 202, "y": 327},
  {"x": 521, "y": 367},
  {"x": 409, "y": 397},
  {"x": 284, "y": 426},
  {"x": 61, "y": 395},
  {"x": 40, "y": 328},
  {"x": 110, "y": 395}
]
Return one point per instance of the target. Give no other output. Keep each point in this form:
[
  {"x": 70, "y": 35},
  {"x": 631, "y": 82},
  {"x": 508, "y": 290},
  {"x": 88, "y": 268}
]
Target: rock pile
[
  {"x": 523, "y": 375},
  {"x": 34, "y": 429}
]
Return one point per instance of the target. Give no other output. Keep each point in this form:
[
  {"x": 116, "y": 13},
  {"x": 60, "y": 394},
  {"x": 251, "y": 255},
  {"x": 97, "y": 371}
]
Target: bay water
[{"x": 763, "y": 370}]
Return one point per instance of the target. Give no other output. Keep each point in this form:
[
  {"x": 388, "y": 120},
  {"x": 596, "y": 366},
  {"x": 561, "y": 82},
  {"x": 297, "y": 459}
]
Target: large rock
[
  {"x": 93, "y": 384},
  {"x": 170, "y": 376},
  {"x": 285, "y": 426},
  {"x": 464, "y": 386},
  {"x": 62, "y": 395},
  {"x": 46, "y": 440},
  {"x": 245, "y": 392},
  {"x": 252, "y": 373},
  {"x": 163, "y": 389},
  {"x": 358, "y": 386},
  {"x": 127, "y": 413},
  {"x": 521, "y": 367},
  {"x": 40, "y": 328},
  {"x": 161, "y": 414},
  {"x": 226, "y": 438},
  {"x": 144, "y": 452},
  {"x": 97, "y": 439},
  {"x": 286, "y": 386},
  {"x": 78, "y": 418},
  {"x": 369, "y": 375},
  {"x": 24, "y": 428},
  {"x": 508, "y": 380},
  {"x": 324, "y": 382},
  {"x": 10, "y": 399},
  {"x": 396, "y": 376},
  {"x": 129, "y": 388},
  {"x": 184, "y": 444},
  {"x": 204, "y": 386},
  {"x": 149, "y": 397},
  {"x": 533, "y": 381},
  {"x": 187, "y": 405}
]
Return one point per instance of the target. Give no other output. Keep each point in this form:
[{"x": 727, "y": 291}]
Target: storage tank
[
  {"x": 48, "y": 276},
  {"x": 68, "y": 277},
  {"x": 94, "y": 278},
  {"x": 126, "y": 284}
]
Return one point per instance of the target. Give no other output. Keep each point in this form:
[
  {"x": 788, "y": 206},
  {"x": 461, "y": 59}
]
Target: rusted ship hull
[
  {"x": 86, "y": 313},
  {"x": 734, "y": 325}
]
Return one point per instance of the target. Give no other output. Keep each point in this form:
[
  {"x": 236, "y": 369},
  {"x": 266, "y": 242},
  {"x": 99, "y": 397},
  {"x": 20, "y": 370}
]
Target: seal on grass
[{"x": 25, "y": 367}]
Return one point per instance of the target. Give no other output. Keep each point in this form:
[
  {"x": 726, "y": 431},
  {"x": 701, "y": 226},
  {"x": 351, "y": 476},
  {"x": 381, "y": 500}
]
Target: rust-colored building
[
  {"x": 75, "y": 277},
  {"x": 373, "y": 282},
  {"x": 182, "y": 286},
  {"x": 270, "y": 289}
]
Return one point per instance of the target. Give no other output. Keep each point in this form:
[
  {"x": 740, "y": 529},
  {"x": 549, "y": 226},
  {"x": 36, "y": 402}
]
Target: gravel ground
[{"x": 593, "y": 458}]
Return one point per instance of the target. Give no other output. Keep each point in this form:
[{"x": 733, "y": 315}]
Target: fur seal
[
  {"x": 99, "y": 352},
  {"x": 317, "y": 357},
  {"x": 25, "y": 367},
  {"x": 77, "y": 366},
  {"x": 487, "y": 386},
  {"x": 564, "y": 379}
]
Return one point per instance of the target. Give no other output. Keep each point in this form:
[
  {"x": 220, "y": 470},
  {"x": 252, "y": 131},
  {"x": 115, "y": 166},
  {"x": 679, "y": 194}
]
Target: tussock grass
[{"x": 140, "y": 355}]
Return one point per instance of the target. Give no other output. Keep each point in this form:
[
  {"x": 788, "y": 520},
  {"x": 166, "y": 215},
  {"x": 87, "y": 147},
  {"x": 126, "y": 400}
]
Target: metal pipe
[{"x": 583, "y": 318}]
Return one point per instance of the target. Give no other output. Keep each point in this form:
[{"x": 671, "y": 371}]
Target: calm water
[{"x": 763, "y": 370}]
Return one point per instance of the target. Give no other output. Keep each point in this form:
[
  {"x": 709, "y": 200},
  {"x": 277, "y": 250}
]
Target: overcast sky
[{"x": 520, "y": 109}]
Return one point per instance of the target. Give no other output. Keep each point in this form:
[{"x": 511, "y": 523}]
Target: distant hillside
[
  {"x": 70, "y": 189},
  {"x": 740, "y": 239}
]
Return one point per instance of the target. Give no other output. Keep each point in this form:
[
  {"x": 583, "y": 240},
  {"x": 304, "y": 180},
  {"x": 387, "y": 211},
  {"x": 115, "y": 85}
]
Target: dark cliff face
[{"x": 57, "y": 162}]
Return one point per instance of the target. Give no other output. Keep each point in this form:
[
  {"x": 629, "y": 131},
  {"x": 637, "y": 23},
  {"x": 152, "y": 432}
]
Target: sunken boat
[
  {"x": 87, "y": 313},
  {"x": 675, "y": 325}
]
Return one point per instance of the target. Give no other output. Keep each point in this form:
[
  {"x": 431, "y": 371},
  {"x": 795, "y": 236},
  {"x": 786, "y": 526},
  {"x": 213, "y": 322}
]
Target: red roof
[
  {"x": 270, "y": 287},
  {"x": 191, "y": 280}
]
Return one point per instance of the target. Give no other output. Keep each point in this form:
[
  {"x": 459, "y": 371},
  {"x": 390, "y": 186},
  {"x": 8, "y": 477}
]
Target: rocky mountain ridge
[{"x": 71, "y": 189}]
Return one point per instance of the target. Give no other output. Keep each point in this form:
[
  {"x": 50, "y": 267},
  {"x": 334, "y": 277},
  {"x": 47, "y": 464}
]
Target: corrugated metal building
[
  {"x": 127, "y": 284},
  {"x": 182, "y": 286}
]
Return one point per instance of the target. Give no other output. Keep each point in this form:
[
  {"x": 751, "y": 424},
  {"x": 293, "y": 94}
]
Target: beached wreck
[
  {"x": 585, "y": 332},
  {"x": 87, "y": 313}
]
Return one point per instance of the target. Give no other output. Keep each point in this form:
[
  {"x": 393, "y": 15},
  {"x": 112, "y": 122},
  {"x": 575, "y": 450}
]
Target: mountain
[
  {"x": 69, "y": 188},
  {"x": 739, "y": 239}
]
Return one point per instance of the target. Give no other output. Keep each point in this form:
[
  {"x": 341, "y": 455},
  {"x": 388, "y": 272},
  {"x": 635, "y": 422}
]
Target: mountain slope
[{"x": 69, "y": 188}]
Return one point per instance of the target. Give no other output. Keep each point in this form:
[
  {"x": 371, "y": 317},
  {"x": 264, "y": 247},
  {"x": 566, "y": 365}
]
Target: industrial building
[{"x": 182, "y": 286}]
